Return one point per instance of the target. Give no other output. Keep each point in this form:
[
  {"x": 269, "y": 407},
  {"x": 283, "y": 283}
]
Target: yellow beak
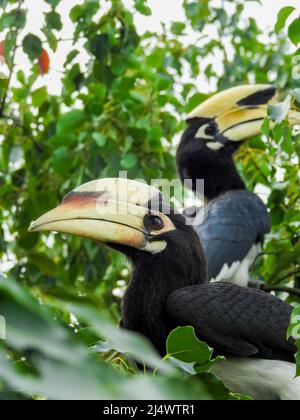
[
  {"x": 111, "y": 211},
  {"x": 237, "y": 114}
]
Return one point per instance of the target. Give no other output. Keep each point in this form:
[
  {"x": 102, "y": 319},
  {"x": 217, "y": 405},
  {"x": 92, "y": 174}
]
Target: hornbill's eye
[
  {"x": 207, "y": 131},
  {"x": 153, "y": 222},
  {"x": 210, "y": 131}
]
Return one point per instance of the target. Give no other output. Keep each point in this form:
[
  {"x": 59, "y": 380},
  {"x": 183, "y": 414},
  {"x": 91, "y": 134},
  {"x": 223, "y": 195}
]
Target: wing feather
[
  {"x": 232, "y": 224},
  {"x": 234, "y": 320}
]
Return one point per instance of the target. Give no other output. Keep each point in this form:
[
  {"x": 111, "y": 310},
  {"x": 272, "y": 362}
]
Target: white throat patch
[{"x": 213, "y": 145}]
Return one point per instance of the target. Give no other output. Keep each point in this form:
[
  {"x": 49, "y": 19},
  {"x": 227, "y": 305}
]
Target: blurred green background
[{"x": 121, "y": 107}]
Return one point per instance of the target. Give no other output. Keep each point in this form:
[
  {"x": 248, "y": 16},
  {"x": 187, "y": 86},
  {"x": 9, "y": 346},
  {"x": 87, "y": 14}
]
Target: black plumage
[
  {"x": 235, "y": 220},
  {"x": 234, "y": 320},
  {"x": 232, "y": 224},
  {"x": 169, "y": 285},
  {"x": 195, "y": 161}
]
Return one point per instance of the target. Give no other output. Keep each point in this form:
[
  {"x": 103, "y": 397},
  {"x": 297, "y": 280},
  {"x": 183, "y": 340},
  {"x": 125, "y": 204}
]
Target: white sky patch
[{"x": 165, "y": 12}]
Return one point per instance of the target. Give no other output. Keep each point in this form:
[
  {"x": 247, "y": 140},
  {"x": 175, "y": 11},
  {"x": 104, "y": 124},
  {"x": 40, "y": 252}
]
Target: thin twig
[
  {"x": 261, "y": 254},
  {"x": 291, "y": 273},
  {"x": 11, "y": 70},
  {"x": 290, "y": 290}
]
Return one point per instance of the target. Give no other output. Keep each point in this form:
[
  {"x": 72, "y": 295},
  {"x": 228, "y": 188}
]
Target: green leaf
[
  {"x": 141, "y": 6},
  {"x": 14, "y": 19},
  {"x": 280, "y": 111},
  {"x": 294, "y": 31},
  {"x": 61, "y": 161},
  {"x": 296, "y": 94},
  {"x": 100, "y": 139},
  {"x": 129, "y": 161},
  {"x": 287, "y": 143},
  {"x": 282, "y": 17},
  {"x": 32, "y": 46},
  {"x": 294, "y": 331},
  {"x": 70, "y": 121},
  {"x": 53, "y": 20},
  {"x": 121, "y": 340},
  {"x": 76, "y": 12},
  {"x": 183, "y": 344},
  {"x": 53, "y": 3},
  {"x": 63, "y": 139},
  {"x": 39, "y": 96},
  {"x": 177, "y": 28},
  {"x": 51, "y": 38},
  {"x": 196, "y": 100},
  {"x": 155, "y": 136},
  {"x": 99, "y": 46},
  {"x": 20, "y": 19},
  {"x": 213, "y": 385}
]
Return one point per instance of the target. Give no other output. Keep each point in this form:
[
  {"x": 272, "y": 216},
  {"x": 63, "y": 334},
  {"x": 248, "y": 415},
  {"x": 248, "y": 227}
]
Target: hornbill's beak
[
  {"x": 112, "y": 211},
  {"x": 236, "y": 114}
]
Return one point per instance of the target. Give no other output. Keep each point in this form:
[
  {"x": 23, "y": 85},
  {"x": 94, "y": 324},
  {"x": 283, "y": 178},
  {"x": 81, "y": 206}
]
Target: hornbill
[
  {"x": 169, "y": 286},
  {"x": 235, "y": 220}
]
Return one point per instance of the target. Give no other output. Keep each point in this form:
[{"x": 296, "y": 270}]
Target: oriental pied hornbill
[
  {"x": 169, "y": 285},
  {"x": 235, "y": 220}
]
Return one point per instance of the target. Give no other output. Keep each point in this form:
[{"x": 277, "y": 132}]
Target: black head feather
[
  {"x": 196, "y": 161},
  {"x": 155, "y": 277}
]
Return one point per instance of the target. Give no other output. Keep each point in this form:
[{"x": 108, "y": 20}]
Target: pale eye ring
[
  {"x": 153, "y": 222},
  {"x": 207, "y": 131}
]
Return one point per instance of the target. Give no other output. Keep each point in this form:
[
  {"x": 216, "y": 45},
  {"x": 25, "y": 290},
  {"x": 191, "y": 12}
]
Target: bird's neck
[
  {"x": 216, "y": 168},
  {"x": 153, "y": 280}
]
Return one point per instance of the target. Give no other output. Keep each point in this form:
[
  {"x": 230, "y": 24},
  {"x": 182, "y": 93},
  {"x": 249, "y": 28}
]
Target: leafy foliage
[{"x": 123, "y": 110}]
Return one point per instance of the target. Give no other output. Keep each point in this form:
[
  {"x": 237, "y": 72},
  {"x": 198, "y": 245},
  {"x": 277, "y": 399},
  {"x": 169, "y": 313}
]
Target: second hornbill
[
  {"x": 235, "y": 219},
  {"x": 169, "y": 285}
]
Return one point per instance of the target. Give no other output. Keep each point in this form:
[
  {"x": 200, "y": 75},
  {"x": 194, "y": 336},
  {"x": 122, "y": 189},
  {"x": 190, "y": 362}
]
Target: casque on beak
[
  {"x": 236, "y": 114},
  {"x": 111, "y": 211}
]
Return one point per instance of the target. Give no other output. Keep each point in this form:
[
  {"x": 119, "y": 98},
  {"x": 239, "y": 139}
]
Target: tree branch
[
  {"x": 290, "y": 290},
  {"x": 291, "y": 273},
  {"x": 11, "y": 70}
]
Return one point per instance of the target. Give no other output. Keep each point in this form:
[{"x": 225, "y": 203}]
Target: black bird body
[
  {"x": 235, "y": 220},
  {"x": 235, "y": 321},
  {"x": 169, "y": 286},
  {"x": 232, "y": 232}
]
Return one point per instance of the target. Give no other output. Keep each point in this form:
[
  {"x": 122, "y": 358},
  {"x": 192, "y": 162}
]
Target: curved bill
[
  {"x": 110, "y": 211},
  {"x": 241, "y": 124},
  {"x": 234, "y": 98}
]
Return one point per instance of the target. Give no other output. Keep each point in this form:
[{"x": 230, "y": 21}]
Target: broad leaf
[{"x": 183, "y": 344}]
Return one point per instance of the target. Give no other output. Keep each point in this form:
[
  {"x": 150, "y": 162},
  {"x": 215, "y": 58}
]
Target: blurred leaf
[
  {"x": 294, "y": 331},
  {"x": 282, "y": 17},
  {"x": 99, "y": 46},
  {"x": 53, "y": 3},
  {"x": 129, "y": 160},
  {"x": 280, "y": 111},
  {"x": 53, "y": 20},
  {"x": 294, "y": 31},
  {"x": 141, "y": 6},
  {"x": 100, "y": 139},
  {"x": 71, "y": 121},
  {"x": 32, "y": 46},
  {"x": 178, "y": 28}
]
